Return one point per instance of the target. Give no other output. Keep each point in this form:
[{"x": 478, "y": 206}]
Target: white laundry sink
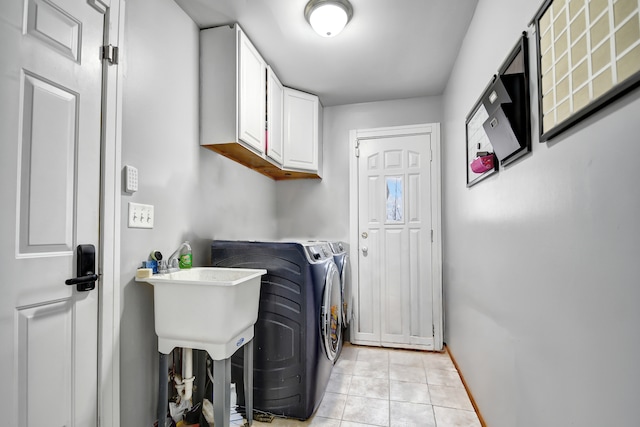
[{"x": 206, "y": 308}]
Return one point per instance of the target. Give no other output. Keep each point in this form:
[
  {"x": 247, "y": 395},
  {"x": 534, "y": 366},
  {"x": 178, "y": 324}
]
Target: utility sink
[{"x": 206, "y": 308}]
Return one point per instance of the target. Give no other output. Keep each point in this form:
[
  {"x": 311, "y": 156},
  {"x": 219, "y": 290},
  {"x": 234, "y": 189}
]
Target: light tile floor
[{"x": 386, "y": 387}]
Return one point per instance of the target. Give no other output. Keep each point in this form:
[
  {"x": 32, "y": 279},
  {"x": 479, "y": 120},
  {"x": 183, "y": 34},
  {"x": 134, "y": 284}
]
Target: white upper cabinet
[
  {"x": 248, "y": 116},
  {"x": 275, "y": 105},
  {"x": 233, "y": 89},
  {"x": 301, "y": 131},
  {"x": 252, "y": 94}
]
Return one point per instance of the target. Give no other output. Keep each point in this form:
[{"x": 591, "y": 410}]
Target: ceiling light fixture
[{"x": 328, "y": 17}]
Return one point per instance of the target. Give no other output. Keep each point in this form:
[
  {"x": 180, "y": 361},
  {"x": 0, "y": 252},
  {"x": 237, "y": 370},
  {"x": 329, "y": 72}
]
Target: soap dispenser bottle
[{"x": 186, "y": 256}]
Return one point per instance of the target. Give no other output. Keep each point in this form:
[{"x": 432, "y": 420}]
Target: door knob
[
  {"x": 365, "y": 250},
  {"x": 85, "y": 269}
]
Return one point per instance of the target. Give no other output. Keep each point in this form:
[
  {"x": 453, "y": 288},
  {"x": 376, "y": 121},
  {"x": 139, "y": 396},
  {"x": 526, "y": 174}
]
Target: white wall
[
  {"x": 541, "y": 262},
  {"x": 313, "y": 209},
  {"x": 197, "y": 194}
]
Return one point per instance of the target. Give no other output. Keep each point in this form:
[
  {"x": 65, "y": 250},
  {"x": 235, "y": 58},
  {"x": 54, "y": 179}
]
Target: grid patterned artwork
[{"x": 588, "y": 55}]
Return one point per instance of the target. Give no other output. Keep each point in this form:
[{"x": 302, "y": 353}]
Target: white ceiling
[{"x": 391, "y": 49}]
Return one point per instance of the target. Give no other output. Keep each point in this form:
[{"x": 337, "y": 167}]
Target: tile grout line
[
  {"x": 426, "y": 378},
  {"x": 389, "y": 379},
  {"x": 349, "y": 388}
]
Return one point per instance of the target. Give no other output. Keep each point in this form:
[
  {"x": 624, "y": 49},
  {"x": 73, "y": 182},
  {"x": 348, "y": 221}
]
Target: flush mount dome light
[{"x": 328, "y": 17}]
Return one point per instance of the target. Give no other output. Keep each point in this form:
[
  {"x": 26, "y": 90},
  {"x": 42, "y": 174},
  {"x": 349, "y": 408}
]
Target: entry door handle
[
  {"x": 85, "y": 270},
  {"x": 82, "y": 280}
]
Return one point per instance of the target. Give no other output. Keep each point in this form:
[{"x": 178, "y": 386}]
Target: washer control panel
[{"x": 318, "y": 252}]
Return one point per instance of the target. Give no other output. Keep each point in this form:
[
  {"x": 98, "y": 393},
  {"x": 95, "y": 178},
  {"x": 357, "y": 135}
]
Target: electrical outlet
[{"x": 140, "y": 216}]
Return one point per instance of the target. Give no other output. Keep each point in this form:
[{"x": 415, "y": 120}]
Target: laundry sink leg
[
  {"x": 163, "y": 389},
  {"x": 200, "y": 372},
  {"x": 248, "y": 380},
  {"x": 222, "y": 392}
]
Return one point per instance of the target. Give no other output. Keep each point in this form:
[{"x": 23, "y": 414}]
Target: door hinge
[
  {"x": 110, "y": 53},
  {"x": 433, "y": 330},
  {"x": 357, "y": 148},
  {"x": 431, "y": 236}
]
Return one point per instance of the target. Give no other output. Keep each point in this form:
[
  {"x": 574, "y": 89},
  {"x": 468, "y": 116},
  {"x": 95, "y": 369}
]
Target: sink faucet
[{"x": 173, "y": 261}]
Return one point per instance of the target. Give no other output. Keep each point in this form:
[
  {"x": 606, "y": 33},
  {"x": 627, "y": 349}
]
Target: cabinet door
[
  {"x": 251, "y": 94},
  {"x": 301, "y": 116},
  {"x": 275, "y": 105}
]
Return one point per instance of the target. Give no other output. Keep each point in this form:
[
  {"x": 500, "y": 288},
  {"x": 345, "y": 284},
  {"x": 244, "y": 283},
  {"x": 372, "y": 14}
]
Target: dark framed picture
[
  {"x": 498, "y": 128},
  {"x": 478, "y": 145},
  {"x": 588, "y": 54}
]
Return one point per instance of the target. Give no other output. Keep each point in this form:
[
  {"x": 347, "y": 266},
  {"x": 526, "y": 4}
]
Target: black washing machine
[{"x": 299, "y": 328}]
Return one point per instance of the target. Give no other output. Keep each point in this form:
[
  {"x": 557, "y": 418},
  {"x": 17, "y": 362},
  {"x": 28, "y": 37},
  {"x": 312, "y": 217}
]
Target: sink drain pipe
[
  {"x": 184, "y": 381},
  {"x": 187, "y": 373}
]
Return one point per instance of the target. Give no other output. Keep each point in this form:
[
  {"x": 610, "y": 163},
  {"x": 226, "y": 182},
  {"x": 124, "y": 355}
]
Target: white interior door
[
  {"x": 397, "y": 303},
  {"x": 50, "y": 118}
]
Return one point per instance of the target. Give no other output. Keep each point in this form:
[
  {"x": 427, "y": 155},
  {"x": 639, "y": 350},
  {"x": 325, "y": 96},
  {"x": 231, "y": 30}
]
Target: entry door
[
  {"x": 395, "y": 289},
  {"x": 50, "y": 118}
]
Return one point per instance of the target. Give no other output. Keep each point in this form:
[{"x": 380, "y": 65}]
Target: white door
[
  {"x": 50, "y": 119},
  {"x": 252, "y": 94},
  {"x": 275, "y": 97},
  {"x": 301, "y": 122},
  {"x": 397, "y": 297}
]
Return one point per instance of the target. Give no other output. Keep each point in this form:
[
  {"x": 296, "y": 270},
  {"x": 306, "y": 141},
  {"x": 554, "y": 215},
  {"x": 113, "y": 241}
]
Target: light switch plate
[
  {"x": 131, "y": 179},
  {"x": 141, "y": 216}
]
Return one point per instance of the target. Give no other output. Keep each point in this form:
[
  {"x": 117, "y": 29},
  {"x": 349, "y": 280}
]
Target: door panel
[
  {"x": 45, "y": 334},
  {"x": 275, "y": 115},
  {"x": 395, "y": 304},
  {"x": 413, "y": 196},
  {"x": 55, "y": 27},
  {"x": 253, "y": 78},
  {"x": 393, "y": 286},
  {"x": 373, "y": 200},
  {"x": 50, "y": 127},
  {"x": 368, "y": 294},
  {"x": 300, "y": 131},
  {"x": 46, "y": 216}
]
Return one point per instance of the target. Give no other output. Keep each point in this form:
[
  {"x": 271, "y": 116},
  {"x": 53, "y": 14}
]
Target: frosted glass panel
[{"x": 395, "y": 196}]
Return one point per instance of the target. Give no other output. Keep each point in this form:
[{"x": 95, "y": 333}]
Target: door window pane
[{"x": 395, "y": 211}]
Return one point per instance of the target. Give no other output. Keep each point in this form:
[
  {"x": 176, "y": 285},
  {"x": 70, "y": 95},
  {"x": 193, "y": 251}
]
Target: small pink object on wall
[{"x": 482, "y": 164}]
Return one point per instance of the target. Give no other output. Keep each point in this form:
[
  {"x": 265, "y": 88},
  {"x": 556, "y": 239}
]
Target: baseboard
[{"x": 473, "y": 401}]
